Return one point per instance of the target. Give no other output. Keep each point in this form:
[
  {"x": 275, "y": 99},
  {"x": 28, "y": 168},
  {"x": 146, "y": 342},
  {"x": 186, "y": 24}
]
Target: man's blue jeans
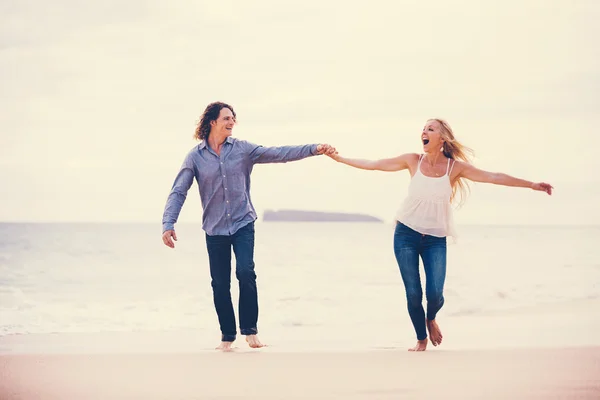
[
  {"x": 219, "y": 255},
  {"x": 408, "y": 246}
]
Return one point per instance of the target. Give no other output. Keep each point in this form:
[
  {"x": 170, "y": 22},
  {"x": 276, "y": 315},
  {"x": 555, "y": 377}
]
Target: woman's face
[{"x": 432, "y": 136}]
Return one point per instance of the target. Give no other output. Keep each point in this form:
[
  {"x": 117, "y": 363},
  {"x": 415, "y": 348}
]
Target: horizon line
[{"x": 23, "y": 222}]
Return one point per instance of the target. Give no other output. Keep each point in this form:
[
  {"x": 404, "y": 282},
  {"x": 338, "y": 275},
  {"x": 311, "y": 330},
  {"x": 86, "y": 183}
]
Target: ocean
[{"x": 324, "y": 280}]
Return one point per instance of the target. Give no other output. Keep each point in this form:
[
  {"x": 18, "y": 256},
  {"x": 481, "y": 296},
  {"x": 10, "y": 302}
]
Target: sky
[{"x": 99, "y": 101}]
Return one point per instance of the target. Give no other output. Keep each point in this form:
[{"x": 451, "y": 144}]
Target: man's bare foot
[
  {"x": 434, "y": 332},
  {"x": 225, "y": 346},
  {"x": 254, "y": 342},
  {"x": 421, "y": 345}
]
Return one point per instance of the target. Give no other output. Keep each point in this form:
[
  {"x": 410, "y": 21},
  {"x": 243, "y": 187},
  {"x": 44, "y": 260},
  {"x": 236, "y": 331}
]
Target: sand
[
  {"x": 563, "y": 373},
  {"x": 543, "y": 353}
]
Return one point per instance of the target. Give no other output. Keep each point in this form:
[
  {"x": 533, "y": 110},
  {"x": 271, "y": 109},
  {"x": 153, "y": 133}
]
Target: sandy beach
[
  {"x": 99, "y": 322},
  {"x": 568, "y": 373}
]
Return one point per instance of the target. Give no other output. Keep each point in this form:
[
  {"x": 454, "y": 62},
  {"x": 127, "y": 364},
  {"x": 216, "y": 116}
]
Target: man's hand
[
  {"x": 168, "y": 238},
  {"x": 325, "y": 149}
]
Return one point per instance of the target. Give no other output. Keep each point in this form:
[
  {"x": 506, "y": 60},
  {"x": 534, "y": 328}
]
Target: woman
[{"x": 425, "y": 218}]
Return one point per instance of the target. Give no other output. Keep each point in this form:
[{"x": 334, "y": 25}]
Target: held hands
[
  {"x": 326, "y": 149},
  {"x": 168, "y": 238},
  {"x": 543, "y": 187}
]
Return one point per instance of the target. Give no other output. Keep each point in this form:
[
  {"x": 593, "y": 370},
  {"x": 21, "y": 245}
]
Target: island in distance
[{"x": 316, "y": 216}]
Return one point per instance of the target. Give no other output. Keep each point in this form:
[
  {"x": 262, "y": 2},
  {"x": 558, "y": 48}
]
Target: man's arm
[
  {"x": 175, "y": 201},
  {"x": 282, "y": 154}
]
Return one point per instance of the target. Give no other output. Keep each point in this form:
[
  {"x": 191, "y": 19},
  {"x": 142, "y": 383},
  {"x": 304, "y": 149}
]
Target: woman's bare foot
[
  {"x": 434, "y": 332},
  {"x": 225, "y": 346},
  {"x": 421, "y": 345},
  {"x": 254, "y": 342}
]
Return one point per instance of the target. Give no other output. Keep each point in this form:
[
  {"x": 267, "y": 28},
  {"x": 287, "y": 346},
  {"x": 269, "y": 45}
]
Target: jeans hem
[
  {"x": 227, "y": 338},
  {"x": 249, "y": 331}
]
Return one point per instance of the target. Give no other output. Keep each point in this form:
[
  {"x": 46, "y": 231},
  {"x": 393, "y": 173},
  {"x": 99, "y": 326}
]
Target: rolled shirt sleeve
[{"x": 281, "y": 154}]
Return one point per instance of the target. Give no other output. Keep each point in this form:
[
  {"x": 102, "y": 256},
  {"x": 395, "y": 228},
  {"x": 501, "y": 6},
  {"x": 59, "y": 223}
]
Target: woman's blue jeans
[{"x": 409, "y": 245}]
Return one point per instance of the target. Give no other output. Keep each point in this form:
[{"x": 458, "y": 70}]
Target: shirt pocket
[{"x": 237, "y": 167}]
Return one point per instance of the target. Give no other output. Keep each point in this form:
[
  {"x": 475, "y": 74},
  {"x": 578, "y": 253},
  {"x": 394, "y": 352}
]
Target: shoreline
[{"x": 506, "y": 329}]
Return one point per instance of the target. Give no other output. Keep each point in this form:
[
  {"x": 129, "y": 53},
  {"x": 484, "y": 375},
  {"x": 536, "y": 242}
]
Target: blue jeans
[
  {"x": 219, "y": 255},
  {"x": 408, "y": 246}
]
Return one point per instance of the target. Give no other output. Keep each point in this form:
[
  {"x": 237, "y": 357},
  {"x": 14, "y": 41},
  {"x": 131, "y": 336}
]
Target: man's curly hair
[{"x": 211, "y": 113}]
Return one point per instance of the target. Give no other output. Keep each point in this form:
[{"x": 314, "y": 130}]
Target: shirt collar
[{"x": 202, "y": 144}]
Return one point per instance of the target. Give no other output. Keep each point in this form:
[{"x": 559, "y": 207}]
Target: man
[{"x": 222, "y": 166}]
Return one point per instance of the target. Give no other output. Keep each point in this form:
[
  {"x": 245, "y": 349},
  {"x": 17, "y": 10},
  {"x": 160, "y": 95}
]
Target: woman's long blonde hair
[{"x": 457, "y": 151}]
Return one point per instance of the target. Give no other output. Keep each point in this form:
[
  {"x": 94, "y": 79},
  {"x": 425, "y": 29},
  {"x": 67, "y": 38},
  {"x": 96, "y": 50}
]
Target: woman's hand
[
  {"x": 543, "y": 187},
  {"x": 334, "y": 156}
]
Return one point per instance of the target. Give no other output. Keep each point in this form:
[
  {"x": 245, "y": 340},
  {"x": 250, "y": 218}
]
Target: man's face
[{"x": 223, "y": 125}]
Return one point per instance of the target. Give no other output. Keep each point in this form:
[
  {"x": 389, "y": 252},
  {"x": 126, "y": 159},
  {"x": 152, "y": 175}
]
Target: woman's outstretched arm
[
  {"x": 387, "y": 164},
  {"x": 474, "y": 174}
]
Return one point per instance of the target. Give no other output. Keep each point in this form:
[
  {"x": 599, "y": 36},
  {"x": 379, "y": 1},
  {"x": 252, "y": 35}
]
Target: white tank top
[{"x": 427, "y": 208}]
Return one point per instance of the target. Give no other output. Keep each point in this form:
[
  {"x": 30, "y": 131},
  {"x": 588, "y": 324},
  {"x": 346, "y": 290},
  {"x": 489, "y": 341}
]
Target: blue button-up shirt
[{"x": 224, "y": 182}]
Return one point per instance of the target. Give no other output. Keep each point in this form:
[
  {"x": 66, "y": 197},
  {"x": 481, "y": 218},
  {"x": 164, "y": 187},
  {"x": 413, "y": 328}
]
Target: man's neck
[{"x": 216, "y": 142}]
